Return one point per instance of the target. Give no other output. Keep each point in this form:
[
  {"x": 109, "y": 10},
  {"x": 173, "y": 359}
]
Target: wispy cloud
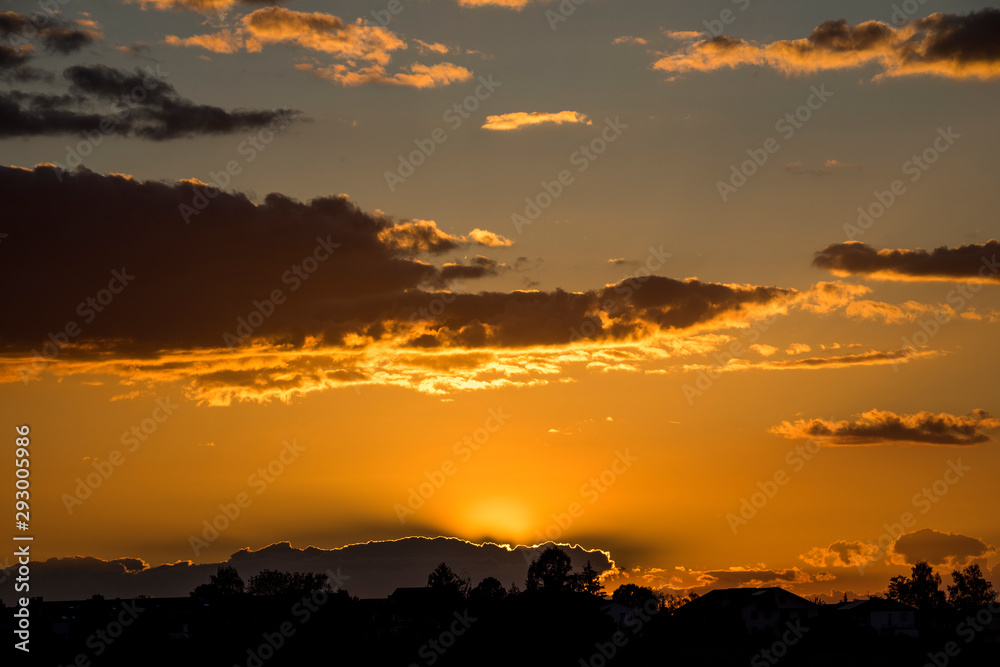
[{"x": 521, "y": 119}]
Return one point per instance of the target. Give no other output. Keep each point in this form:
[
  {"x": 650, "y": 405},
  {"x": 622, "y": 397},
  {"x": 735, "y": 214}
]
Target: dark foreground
[{"x": 537, "y": 628}]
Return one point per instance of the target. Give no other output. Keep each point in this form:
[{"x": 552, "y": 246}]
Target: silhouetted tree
[
  {"x": 275, "y": 582},
  {"x": 446, "y": 582},
  {"x": 921, "y": 590},
  {"x": 671, "y": 603},
  {"x": 634, "y": 596},
  {"x": 226, "y": 582},
  {"x": 488, "y": 591},
  {"x": 970, "y": 591},
  {"x": 589, "y": 581},
  {"x": 551, "y": 572}
]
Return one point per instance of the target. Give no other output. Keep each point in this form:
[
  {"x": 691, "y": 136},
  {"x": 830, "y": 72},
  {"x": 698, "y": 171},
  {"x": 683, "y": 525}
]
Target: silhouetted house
[
  {"x": 621, "y": 614},
  {"x": 885, "y": 617},
  {"x": 408, "y": 606},
  {"x": 376, "y": 618},
  {"x": 749, "y": 610}
]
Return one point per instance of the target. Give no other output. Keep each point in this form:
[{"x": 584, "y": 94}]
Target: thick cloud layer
[
  {"x": 364, "y": 279},
  {"x": 369, "y": 570},
  {"x": 974, "y": 262}
]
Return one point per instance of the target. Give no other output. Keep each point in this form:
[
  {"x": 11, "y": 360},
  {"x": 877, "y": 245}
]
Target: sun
[{"x": 500, "y": 518}]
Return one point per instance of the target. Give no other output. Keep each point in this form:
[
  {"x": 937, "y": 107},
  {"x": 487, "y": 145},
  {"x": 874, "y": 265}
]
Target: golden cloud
[{"x": 522, "y": 119}]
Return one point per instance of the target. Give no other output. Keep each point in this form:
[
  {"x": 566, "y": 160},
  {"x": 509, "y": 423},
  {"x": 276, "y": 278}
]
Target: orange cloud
[
  {"x": 418, "y": 76},
  {"x": 202, "y": 6},
  {"x": 681, "y": 579},
  {"x": 521, "y": 119},
  {"x": 888, "y": 313},
  {"x": 948, "y": 45},
  {"x": 628, "y": 39},
  {"x": 489, "y": 239},
  {"x": 225, "y": 41},
  {"x": 871, "y": 358},
  {"x": 507, "y": 4},
  {"x": 365, "y": 50},
  {"x": 841, "y": 554}
]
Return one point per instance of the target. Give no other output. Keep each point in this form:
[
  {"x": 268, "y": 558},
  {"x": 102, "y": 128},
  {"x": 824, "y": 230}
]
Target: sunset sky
[{"x": 711, "y": 287}]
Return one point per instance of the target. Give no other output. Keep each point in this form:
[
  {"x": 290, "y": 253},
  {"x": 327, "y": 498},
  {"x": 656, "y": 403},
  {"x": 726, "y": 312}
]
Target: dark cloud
[
  {"x": 737, "y": 578},
  {"x": 11, "y": 57},
  {"x": 369, "y": 570},
  {"x": 139, "y": 104},
  {"x": 965, "y": 40},
  {"x": 938, "y": 548},
  {"x": 878, "y": 427},
  {"x": 478, "y": 267},
  {"x": 972, "y": 262},
  {"x": 194, "y": 280},
  {"x": 24, "y": 73},
  {"x": 66, "y": 40},
  {"x": 56, "y": 35},
  {"x": 25, "y": 114}
]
